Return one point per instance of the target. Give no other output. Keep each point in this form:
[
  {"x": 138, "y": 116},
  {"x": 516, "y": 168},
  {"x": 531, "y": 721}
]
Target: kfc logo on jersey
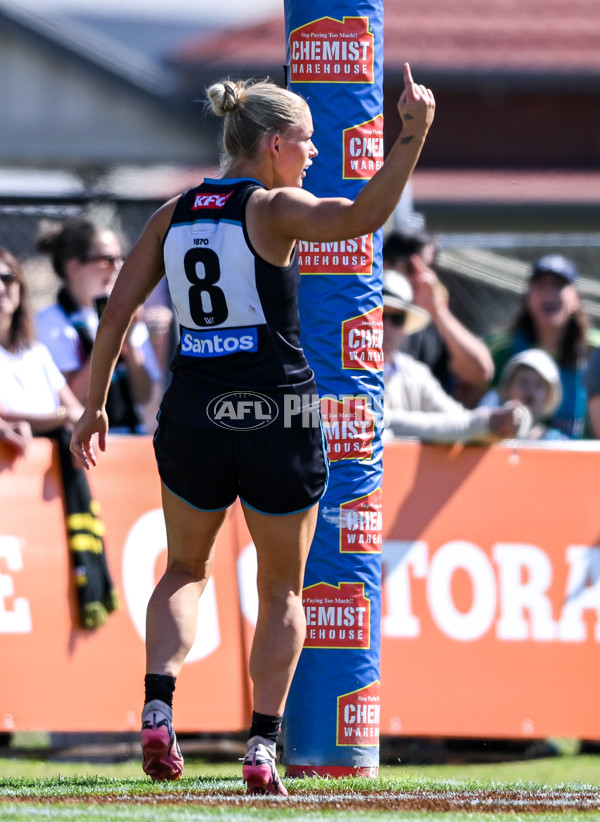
[{"x": 210, "y": 200}]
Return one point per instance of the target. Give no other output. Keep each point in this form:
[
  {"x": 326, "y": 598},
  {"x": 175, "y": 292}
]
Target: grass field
[{"x": 560, "y": 788}]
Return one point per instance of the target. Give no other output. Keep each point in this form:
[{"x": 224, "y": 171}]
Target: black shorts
[{"x": 275, "y": 469}]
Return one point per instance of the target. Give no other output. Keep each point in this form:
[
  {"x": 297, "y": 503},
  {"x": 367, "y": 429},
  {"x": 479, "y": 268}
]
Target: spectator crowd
[{"x": 537, "y": 378}]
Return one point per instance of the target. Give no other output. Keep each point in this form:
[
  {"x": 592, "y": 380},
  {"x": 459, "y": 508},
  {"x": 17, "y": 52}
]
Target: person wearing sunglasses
[
  {"x": 34, "y": 395},
  {"x": 87, "y": 258},
  {"x": 416, "y": 405}
]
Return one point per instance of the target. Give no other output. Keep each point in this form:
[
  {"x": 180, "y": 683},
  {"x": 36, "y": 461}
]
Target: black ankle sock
[
  {"x": 265, "y": 725},
  {"x": 159, "y": 686}
]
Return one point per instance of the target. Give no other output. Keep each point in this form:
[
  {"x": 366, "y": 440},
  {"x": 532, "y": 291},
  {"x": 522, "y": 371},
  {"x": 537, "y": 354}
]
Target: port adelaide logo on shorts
[{"x": 242, "y": 410}]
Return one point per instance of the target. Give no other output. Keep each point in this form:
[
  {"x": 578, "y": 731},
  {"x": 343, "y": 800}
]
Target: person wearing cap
[
  {"x": 532, "y": 378},
  {"x": 416, "y": 404},
  {"x": 551, "y": 319},
  {"x": 457, "y": 358}
]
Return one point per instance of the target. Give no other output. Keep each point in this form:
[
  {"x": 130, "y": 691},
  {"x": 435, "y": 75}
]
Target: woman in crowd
[
  {"x": 34, "y": 395},
  {"x": 87, "y": 258},
  {"x": 228, "y": 248},
  {"x": 552, "y": 319}
]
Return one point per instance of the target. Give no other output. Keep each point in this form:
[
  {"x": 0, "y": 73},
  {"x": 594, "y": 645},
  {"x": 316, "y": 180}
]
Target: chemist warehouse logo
[
  {"x": 333, "y": 51},
  {"x": 363, "y": 149},
  {"x": 242, "y": 410},
  {"x": 337, "y": 616},
  {"x": 358, "y": 716}
]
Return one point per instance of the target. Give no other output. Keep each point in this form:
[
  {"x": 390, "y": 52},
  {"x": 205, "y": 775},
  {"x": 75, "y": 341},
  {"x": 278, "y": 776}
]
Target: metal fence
[
  {"x": 22, "y": 220},
  {"x": 486, "y": 273}
]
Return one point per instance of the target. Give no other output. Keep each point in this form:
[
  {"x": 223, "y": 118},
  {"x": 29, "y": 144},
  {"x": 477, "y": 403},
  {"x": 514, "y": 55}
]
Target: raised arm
[
  {"x": 469, "y": 357},
  {"x": 298, "y": 215},
  {"x": 139, "y": 275}
]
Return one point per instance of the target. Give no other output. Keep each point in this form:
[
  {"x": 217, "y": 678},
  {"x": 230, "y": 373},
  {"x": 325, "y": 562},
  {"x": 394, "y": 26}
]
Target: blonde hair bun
[
  {"x": 250, "y": 110},
  {"x": 224, "y": 96}
]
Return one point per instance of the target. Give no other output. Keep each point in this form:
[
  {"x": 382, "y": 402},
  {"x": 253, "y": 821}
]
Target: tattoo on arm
[{"x": 405, "y": 140}]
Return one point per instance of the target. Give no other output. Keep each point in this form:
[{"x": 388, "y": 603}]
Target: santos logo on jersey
[{"x": 218, "y": 343}]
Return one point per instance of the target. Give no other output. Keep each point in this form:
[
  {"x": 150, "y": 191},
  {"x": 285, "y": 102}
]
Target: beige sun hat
[
  {"x": 398, "y": 294},
  {"x": 543, "y": 364}
]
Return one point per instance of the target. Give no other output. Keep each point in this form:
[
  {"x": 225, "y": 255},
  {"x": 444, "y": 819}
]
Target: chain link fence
[
  {"x": 22, "y": 220},
  {"x": 486, "y": 273}
]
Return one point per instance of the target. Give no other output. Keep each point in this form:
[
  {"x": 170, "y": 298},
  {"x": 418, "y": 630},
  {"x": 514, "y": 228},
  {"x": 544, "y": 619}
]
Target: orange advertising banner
[
  {"x": 491, "y": 596},
  {"x": 58, "y": 677},
  {"x": 491, "y": 600}
]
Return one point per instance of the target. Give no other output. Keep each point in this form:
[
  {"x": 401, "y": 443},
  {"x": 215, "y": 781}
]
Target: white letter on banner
[
  {"x": 247, "y": 568},
  {"x": 583, "y": 592},
  {"x": 518, "y": 595},
  {"x": 398, "y": 556},
  {"x": 145, "y": 543},
  {"x": 450, "y": 557},
  {"x": 17, "y": 620}
]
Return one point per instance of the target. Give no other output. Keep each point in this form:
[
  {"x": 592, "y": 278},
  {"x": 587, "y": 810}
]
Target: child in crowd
[
  {"x": 416, "y": 404},
  {"x": 533, "y": 379}
]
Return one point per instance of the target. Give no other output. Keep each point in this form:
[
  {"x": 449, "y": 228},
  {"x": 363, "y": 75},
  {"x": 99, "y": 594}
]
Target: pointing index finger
[{"x": 408, "y": 80}]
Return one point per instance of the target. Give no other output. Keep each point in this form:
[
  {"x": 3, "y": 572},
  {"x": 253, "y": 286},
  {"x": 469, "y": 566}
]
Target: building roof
[
  {"x": 250, "y": 48},
  {"x": 505, "y": 187},
  {"x": 84, "y": 46},
  {"x": 551, "y": 37},
  {"x": 88, "y": 103},
  {"x": 546, "y": 38}
]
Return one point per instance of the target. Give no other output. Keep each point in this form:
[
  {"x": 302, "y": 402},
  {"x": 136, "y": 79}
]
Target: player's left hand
[{"x": 416, "y": 105}]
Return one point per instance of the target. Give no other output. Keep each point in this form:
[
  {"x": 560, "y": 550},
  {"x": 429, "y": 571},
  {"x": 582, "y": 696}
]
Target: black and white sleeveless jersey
[{"x": 237, "y": 313}]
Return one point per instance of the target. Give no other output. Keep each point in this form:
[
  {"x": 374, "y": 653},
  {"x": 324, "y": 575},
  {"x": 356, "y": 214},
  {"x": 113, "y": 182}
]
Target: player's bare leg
[
  {"x": 171, "y": 623},
  {"x": 171, "y": 619},
  {"x": 282, "y": 545}
]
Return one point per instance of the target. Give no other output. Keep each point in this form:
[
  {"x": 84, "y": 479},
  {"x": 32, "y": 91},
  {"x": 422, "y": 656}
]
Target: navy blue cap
[{"x": 555, "y": 264}]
